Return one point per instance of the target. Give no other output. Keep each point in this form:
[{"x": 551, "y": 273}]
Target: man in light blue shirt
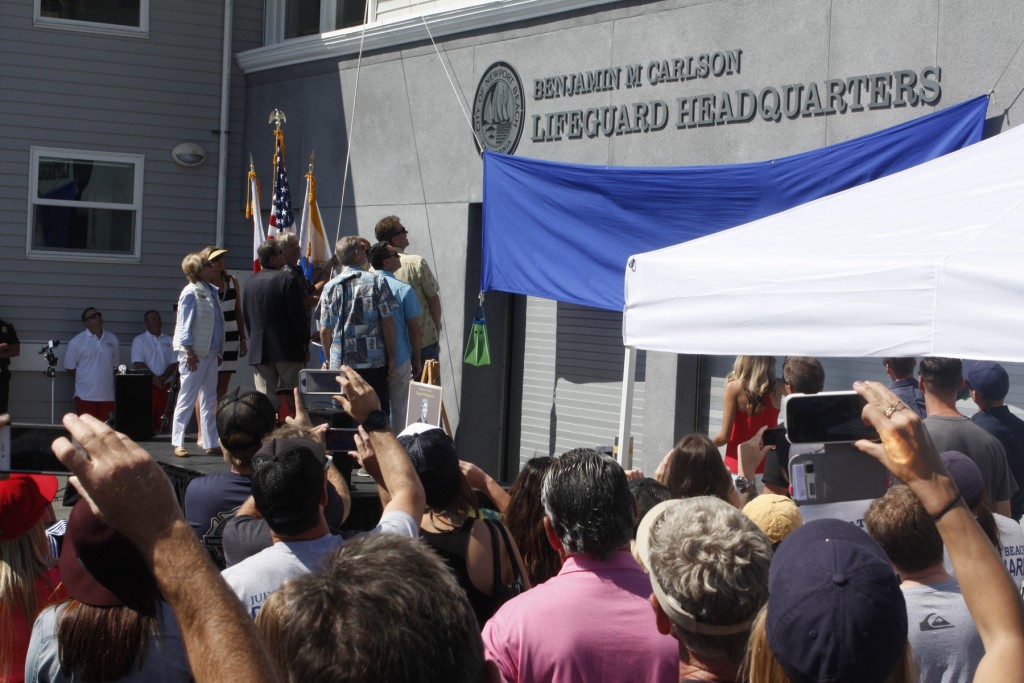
[{"x": 406, "y": 316}]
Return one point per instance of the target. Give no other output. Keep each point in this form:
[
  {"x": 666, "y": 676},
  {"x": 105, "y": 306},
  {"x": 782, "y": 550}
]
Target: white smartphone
[
  {"x": 30, "y": 452},
  {"x": 321, "y": 382}
]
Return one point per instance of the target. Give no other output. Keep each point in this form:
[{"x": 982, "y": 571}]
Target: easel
[{"x": 432, "y": 375}]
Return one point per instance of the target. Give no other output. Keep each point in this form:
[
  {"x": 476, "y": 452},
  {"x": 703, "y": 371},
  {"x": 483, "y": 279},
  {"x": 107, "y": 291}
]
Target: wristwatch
[
  {"x": 743, "y": 484},
  {"x": 376, "y": 421}
]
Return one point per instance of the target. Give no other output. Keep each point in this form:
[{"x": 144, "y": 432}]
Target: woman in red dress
[{"x": 751, "y": 401}]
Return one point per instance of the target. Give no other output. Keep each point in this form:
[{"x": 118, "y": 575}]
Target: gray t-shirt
[
  {"x": 165, "y": 660},
  {"x": 946, "y": 644},
  {"x": 961, "y": 434},
  {"x": 255, "y": 578}
]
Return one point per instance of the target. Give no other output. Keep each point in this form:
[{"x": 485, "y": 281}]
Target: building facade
[{"x": 397, "y": 100}]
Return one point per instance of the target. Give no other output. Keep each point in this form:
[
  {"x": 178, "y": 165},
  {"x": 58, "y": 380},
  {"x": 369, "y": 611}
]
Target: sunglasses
[{"x": 97, "y": 314}]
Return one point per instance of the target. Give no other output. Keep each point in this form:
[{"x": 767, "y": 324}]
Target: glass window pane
[
  {"x": 86, "y": 180},
  {"x": 118, "y": 12},
  {"x": 301, "y": 18},
  {"x": 350, "y": 13},
  {"x": 63, "y": 228}
]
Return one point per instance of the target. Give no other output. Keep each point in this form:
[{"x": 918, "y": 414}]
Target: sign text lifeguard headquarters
[{"x": 897, "y": 88}]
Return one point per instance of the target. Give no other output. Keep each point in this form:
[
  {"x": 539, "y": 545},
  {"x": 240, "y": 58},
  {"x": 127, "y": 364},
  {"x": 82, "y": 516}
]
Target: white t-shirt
[
  {"x": 256, "y": 577},
  {"x": 93, "y": 360},
  {"x": 154, "y": 351},
  {"x": 1011, "y": 537}
]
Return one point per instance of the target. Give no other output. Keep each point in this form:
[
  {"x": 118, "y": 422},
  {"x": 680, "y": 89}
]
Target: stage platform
[{"x": 365, "y": 512}]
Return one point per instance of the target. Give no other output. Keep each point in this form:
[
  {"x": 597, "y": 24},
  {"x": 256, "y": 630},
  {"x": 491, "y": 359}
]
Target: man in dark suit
[{"x": 278, "y": 334}]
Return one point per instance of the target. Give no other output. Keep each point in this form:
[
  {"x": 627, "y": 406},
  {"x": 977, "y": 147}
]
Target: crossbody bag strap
[
  {"x": 495, "y": 556},
  {"x": 516, "y": 574}
]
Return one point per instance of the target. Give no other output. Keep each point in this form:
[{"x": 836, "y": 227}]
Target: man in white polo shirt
[
  {"x": 151, "y": 351},
  {"x": 91, "y": 358}
]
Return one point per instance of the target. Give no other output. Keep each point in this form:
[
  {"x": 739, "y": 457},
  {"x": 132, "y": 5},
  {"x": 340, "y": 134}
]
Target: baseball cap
[
  {"x": 216, "y": 252},
  {"x": 433, "y": 456},
  {"x": 245, "y": 416},
  {"x": 777, "y": 516},
  {"x": 987, "y": 378},
  {"x": 287, "y": 481},
  {"x": 23, "y": 500},
  {"x": 965, "y": 473},
  {"x": 99, "y": 566},
  {"x": 835, "y": 608}
]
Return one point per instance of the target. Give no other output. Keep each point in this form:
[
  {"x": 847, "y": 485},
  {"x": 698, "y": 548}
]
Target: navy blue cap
[
  {"x": 835, "y": 609},
  {"x": 987, "y": 378}
]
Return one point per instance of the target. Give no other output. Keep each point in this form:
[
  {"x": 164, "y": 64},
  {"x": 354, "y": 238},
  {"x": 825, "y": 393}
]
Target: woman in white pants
[{"x": 199, "y": 341}]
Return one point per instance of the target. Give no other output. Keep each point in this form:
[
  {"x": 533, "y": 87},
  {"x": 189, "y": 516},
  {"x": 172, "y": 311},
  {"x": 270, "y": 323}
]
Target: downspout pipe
[{"x": 225, "y": 102}]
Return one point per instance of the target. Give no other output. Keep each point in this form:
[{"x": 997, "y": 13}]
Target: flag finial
[
  {"x": 312, "y": 155},
  {"x": 277, "y": 117}
]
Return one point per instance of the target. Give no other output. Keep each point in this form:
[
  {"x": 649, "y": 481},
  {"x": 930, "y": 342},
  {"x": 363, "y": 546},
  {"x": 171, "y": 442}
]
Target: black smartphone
[
  {"x": 27, "y": 449},
  {"x": 340, "y": 439},
  {"x": 773, "y": 435},
  {"x": 828, "y": 417}
]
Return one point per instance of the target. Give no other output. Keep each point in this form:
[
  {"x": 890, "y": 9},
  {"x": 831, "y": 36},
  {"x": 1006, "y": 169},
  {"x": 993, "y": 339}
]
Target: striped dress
[{"x": 228, "y": 301}]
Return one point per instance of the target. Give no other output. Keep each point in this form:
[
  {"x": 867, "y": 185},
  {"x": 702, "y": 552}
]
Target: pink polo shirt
[{"x": 592, "y": 622}]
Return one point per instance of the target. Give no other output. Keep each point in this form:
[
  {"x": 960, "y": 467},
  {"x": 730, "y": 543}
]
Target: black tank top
[{"x": 453, "y": 547}]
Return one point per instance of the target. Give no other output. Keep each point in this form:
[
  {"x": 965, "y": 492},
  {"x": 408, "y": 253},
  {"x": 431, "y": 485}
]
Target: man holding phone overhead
[{"x": 801, "y": 375}]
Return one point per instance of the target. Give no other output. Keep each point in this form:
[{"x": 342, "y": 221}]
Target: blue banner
[{"x": 565, "y": 231}]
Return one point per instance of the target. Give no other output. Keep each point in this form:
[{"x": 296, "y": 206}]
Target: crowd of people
[{"x": 581, "y": 571}]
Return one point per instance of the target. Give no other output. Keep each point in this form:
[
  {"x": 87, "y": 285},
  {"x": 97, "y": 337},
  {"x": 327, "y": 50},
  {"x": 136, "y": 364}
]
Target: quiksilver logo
[
  {"x": 499, "y": 109},
  {"x": 934, "y": 622}
]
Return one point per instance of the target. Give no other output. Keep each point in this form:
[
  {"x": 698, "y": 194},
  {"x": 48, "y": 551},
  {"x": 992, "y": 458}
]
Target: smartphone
[
  {"x": 319, "y": 382},
  {"x": 836, "y": 473},
  {"x": 340, "y": 439},
  {"x": 772, "y": 436},
  {"x": 28, "y": 450},
  {"x": 828, "y": 417}
]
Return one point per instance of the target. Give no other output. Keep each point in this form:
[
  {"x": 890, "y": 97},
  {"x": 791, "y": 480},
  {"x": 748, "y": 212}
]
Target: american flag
[{"x": 281, "y": 217}]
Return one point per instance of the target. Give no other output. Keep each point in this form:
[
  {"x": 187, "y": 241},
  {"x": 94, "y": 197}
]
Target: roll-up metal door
[{"x": 571, "y": 380}]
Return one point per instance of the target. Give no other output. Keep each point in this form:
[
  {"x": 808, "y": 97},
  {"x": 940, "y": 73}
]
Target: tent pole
[{"x": 624, "y": 445}]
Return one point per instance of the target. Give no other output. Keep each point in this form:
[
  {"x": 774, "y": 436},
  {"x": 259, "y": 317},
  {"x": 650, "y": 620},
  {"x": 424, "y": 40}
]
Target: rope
[
  {"x": 351, "y": 128},
  {"x": 426, "y": 218},
  {"x": 458, "y": 98},
  {"x": 1003, "y": 72}
]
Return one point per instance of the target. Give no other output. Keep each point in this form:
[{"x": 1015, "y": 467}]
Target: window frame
[
  {"x": 275, "y": 20},
  {"x": 138, "y": 161},
  {"x": 140, "y": 31}
]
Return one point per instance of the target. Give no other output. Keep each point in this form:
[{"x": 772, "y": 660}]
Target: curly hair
[{"x": 714, "y": 561}]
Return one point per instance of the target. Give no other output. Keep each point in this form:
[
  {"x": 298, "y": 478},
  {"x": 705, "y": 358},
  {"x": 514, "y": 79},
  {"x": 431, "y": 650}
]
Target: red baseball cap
[{"x": 23, "y": 500}]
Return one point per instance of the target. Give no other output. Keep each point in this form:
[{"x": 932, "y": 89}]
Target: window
[
  {"x": 84, "y": 204},
  {"x": 298, "y": 18},
  {"x": 102, "y": 16}
]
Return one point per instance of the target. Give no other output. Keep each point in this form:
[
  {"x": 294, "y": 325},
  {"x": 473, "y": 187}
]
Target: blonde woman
[
  {"x": 751, "y": 401},
  {"x": 27, "y": 581},
  {"x": 199, "y": 340}
]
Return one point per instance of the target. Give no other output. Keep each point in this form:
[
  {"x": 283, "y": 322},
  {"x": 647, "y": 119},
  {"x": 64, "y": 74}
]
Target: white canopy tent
[
  {"x": 929, "y": 261},
  {"x": 926, "y": 262}
]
